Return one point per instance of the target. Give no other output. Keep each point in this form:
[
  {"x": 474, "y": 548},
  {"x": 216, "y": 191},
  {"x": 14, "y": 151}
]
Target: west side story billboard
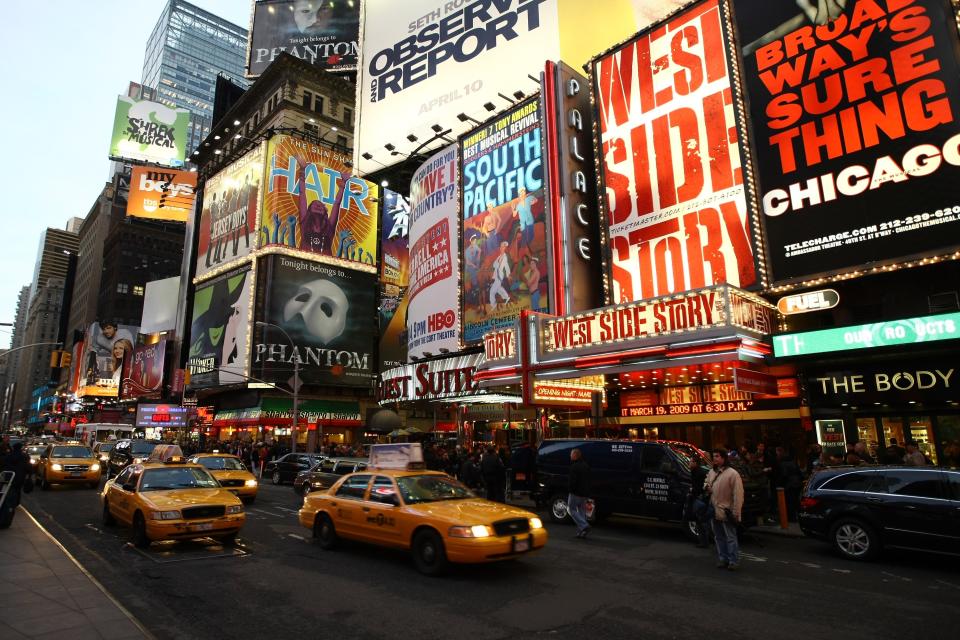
[
  {"x": 330, "y": 314},
  {"x": 433, "y": 307},
  {"x": 855, "y": 114},
  {"x": 504, "y": 232},
  {"x": 229, "y": 217},
  {"x": 320, "y": 32},
  {"x": 675, "y": 198}
]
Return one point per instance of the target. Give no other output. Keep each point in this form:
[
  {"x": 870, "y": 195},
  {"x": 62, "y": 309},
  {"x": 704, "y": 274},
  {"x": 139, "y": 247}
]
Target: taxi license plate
[
  {"x": 76, "y": 474},
  {"x": 521, "y": 545},
  {"x": 203, "y": 526}
]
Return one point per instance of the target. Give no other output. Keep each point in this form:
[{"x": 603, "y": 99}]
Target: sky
[{"x": 63, "y": 64}]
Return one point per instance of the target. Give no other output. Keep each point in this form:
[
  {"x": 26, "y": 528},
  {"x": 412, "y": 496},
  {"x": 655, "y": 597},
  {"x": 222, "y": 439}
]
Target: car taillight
[{"x": 808, "y": 502}]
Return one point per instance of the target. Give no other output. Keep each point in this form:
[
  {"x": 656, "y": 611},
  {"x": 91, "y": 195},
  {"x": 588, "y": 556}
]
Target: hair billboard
[
  {"x": 323, "y": 33},
  {"x": 675, "y": 199},
  {"x": 314, "y": 203},
  {"x": 394, "y": 280},
  {"x": 504, "y": 233},
  {"x": 433, "y": 308},
  {"x": 855, "y": 114},
  {"x": 329, "y": 314},
  {"x": 229, "y": 216},
  {"x": 149, "y": 131}
]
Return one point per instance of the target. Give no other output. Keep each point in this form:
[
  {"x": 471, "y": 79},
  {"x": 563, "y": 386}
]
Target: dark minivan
[
  {"x": 648, "y": 478},
  {"x": 860, "y": 510},
  {"x": 128, "y": 451}
]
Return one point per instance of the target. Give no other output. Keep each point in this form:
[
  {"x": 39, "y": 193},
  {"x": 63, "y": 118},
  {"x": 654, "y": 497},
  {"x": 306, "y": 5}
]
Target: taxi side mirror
[{"x": 128, "y": 487}]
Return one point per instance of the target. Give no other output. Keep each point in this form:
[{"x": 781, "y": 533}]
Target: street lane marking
[
  {"x": 300, "y": 538},
  {"x": 949, "y": 584},
  {"x": 896, "y": 576},
  {"x": 842, "y": 570},
  {"x": 269, "y": 513},
  {"x": 811, "y": 565},
  {"x": 752, "y": 557}
]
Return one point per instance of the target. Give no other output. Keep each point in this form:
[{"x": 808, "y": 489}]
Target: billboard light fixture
[
  {"x": 412, "y": 138},
  {"x": 507, "y": 98},
  {"x": 216, "y": 137},
  {"x": 519, "y": 95},
  {"x": 462, "y": 117},
  {"x": 385, "y": 184},
  {"x": 217, "y": 152},
  {"x": 389, "y": 147},
  {"x": 334, "y": 129},
  {"x": 366, "y": 156},
  {"x": 489, "y": 106},
  {"x": 436, "y": 128},
  {"x": 236, "y": 123}
]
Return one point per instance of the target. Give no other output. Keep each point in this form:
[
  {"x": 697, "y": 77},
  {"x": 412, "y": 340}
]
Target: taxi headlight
[
  {"x": 137, "y": 460},
  {"x": 94, "y": 467},
  {"x": 165, "y": 515},
  {"x": 250, "y": 483},
  {"x": 235, "y": 508},
  {"x": 56, "y": 466},
  {"x": 33, "y": 461},
  {"x": 536, "y": 523},
  {"x": 104, "y": 457},
  {"x": 476, "y": 531}
]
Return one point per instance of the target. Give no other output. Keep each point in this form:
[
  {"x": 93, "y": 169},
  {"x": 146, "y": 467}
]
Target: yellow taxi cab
[
  {"x": 427, "y": 512},
  {"x": 167, "y": 498},
  {"x": 68, "y": 464},
  {"x": 231, "y": 473}
]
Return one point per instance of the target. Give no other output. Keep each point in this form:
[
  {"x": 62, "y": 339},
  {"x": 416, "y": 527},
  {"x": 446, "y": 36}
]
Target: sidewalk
[{"x": 45, "y": 593}]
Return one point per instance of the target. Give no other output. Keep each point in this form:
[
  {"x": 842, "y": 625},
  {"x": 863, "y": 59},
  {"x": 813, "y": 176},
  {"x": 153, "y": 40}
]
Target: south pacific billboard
[
  {"x": 314, "y": 203},
  {"x": 328, "y": 312},
  {"x": 322, "y": 33},
  {"x": 394, "y": 279},
  {"x": 219, "y": 330},
  {"x": 433, "y": 307},
  {"x": 854, "y": 109},
  {"x": 159, "y": 193},
  {"x": 229, "y": 220},
  {"x": 675, "y": 199},
  {"x": 149, "y": 131},
  {"x": 504, "y": 232}
]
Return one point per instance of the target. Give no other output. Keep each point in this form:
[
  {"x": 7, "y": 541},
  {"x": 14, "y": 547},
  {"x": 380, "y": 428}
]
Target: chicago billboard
[
  {"x": 394, "y": 280},
  {"x": 675, "y": 200},
  {"x": 219, "y": 330},
  {"x": 322, "y": 33},
  {"x": 855, "y": 116},
  {"x": 314, "y": 203},
  {"x": 327, "y": 311},
  {"x": 504, "y": 233},
  {"x": 149, "y": 131},
  {"x": 229, "y": 222},
  {"x": 158, "y": 193},
  {"x": 433, "y": 308}
]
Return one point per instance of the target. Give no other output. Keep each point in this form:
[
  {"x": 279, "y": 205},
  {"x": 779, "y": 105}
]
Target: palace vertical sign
[{"x": 675, "y": 196}]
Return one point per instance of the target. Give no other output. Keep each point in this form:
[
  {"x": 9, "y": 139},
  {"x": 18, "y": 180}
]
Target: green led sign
[{"x": 869, "y": 336}]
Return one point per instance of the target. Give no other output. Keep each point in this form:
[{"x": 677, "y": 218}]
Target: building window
[
  {"x": 348, "y": 116},
  {"x": 122, "y": 288},
  {"x": 307, "y": 99},
  {"x": 312, "y": 129},
  {"x": 137, "y": 290},
  {"x": 341, "y": 141},
  {"x": 318, "y": 104}
]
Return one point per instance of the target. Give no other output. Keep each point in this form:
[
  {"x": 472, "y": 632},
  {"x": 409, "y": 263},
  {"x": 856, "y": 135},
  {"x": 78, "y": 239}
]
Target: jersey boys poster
[
  {"x": 504, "y": 234},
  {"x": 394, "y": 280},
  {"x": 675, "y": 197},
  {"x": 855, "y": 113},
  {"x": 433, "y": 308},
  {"x": 314, "y": 203}
]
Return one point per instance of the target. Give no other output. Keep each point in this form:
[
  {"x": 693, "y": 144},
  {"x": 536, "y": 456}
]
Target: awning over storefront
[{"x": 278, "y": 412}]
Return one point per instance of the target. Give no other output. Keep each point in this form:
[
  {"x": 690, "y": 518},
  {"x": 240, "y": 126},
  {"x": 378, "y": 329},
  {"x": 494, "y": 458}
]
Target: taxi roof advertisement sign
[
  {"x": 322, "y": 33},
  {"x": 855, "y": 115},
  {"x": 149, "y": 131},
  {"x": 675, "y": 196}
]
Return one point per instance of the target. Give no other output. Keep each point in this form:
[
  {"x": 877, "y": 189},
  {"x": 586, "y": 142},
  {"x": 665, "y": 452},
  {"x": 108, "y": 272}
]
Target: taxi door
[
  {"x": 122, "y": 495},
  {"x": 380, "y": 523},
  {"x": 348, "y": 504}
]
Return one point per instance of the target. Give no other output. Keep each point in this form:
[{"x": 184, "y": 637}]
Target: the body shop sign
[
  {"x": 715, "y": 311},
  {"x": 447, "y": 378}
]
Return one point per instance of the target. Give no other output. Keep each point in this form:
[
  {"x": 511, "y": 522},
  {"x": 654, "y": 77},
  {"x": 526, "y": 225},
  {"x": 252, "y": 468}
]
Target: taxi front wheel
[
  {"x": 429, "y": 555},
  {"x": 324, "y": 532}
]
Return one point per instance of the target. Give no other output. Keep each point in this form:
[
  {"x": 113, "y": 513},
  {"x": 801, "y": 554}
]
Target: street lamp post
[{"x": 296, "y": 384}]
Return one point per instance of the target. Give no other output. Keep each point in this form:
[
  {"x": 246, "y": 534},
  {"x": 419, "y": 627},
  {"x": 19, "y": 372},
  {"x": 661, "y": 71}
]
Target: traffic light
[
  {"x": 60, "y": 359},
  {"x": 66, "y": 359}
]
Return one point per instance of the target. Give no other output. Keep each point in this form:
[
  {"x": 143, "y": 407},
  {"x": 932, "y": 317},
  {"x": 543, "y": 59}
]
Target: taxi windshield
[
  {"x": 71, "y": 452},
  {"x": 222, "y": 464},
  {"x": 431, "y": 488},
  {"x": 35, "y": 450},
  {"x": 177, "y": 478},
  {"x": 106, "y": 447}
]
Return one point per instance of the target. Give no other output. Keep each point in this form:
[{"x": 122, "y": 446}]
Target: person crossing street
[{"x": 579, "y": 492}]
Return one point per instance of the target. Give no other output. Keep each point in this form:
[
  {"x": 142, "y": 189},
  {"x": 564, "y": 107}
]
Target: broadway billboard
[
  {"x": 504, "y": 233},
  {"x": 219, "y": 330},
  {"x": 394, "y": 280},
  {"x": 675, "y": 198},
  {"x": 855, "y": 115},
  {"x": 158, "y": 193},
  {"x": 322, "y": 33},
  {"x": 328, "y": 312},
  {"x": 149, "y": 131}
]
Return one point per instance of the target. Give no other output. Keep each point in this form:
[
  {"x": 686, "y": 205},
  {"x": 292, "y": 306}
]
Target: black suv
[
  {"x": 649, "y": 478},
  {"x": 863, "y": 509},
  {"x": 286, "y": 468},
  {"x": 128, "y": 451}
]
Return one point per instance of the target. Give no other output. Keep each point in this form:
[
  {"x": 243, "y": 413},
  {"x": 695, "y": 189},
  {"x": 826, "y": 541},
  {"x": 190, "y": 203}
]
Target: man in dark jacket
[
  {"x": 494, "y": 475},
  {"x": 579, "y": 492},
  {"x": 697, "y": 502},
  {"x": 18, "y": 462}
]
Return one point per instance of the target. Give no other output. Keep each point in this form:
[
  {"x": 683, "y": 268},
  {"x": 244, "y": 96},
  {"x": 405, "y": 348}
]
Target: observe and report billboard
[
  {"x": 149, "y": 131},
  {"x": 504, "y": 229},
  {"x": 320, "y": 32},
  {"x": 675, "y": 201},
  {"x": 855, "y": 115}
]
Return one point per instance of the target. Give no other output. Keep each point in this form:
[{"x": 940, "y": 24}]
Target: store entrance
[{"x": 937, "y": 436}]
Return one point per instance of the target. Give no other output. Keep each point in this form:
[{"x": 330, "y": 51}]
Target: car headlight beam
[
  {"x": 56, "y": 466},
  {"x": 234, "y": 508},
  {"x": 536, "y": 523},
  {"x": 475, "y": 531},
  {"x": 250, "y": 483},
  {"x": 165, "y": 515},
  {"x": 95, "y": 467}
]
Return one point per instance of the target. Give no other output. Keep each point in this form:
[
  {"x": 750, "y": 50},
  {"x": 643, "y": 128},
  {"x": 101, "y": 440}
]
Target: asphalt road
[{"x": 630, "y": 579}]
